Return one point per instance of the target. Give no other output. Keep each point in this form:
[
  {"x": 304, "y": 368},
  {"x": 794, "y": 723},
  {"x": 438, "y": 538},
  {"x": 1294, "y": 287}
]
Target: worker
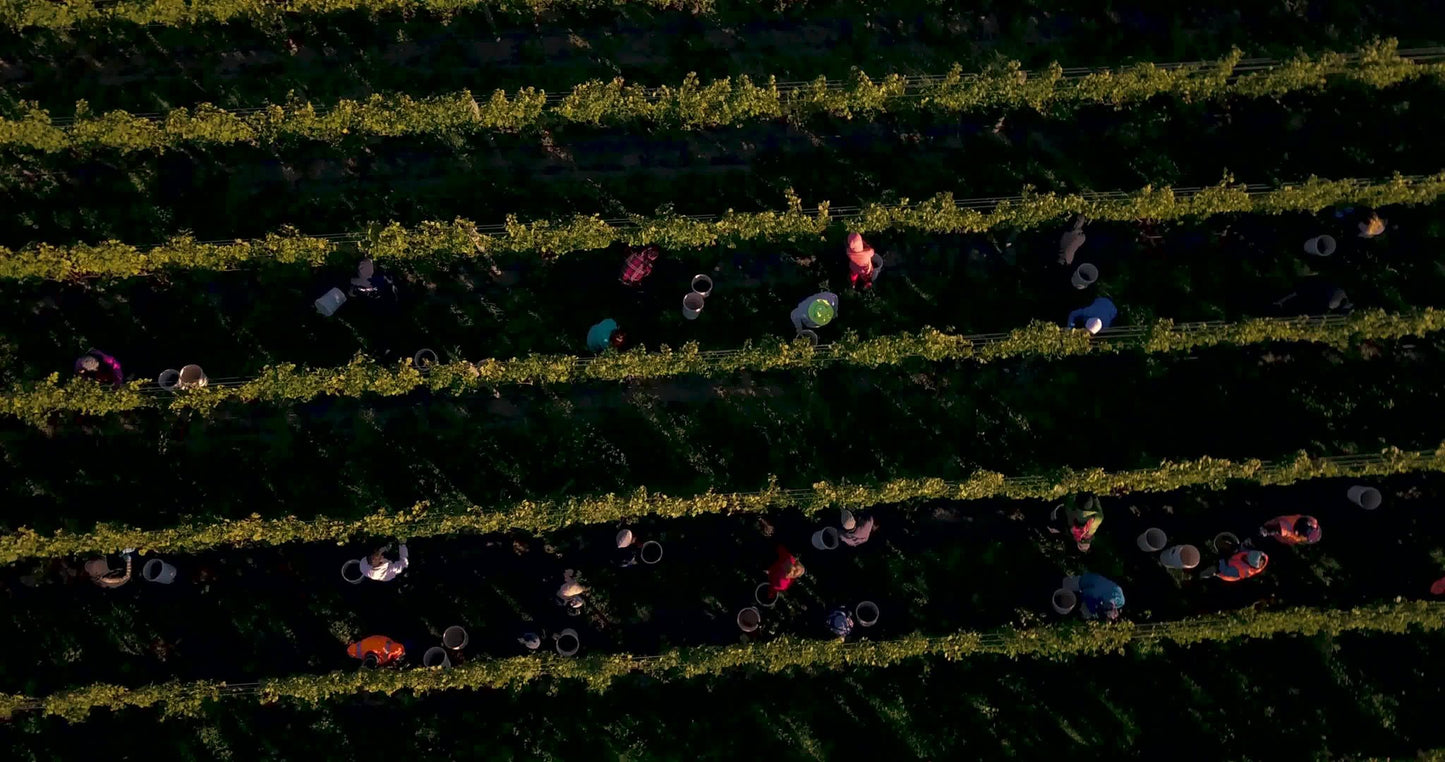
[
  {"x": 816, "y": 311},
  {"x": 783, "y": 571},
  {"x": 371, "y": 283},
  {"x": 606, "y": 334},
  {"x": 1070, "y": 242},
  {"x": 638, "y": 265},
  {"x": 382, "y": 569},
  {"x": 856, "y": 533},
  {"x": 840, "y": 623},
  {"x": 1099, "y": 597},
  {"x": 864, "y": 264},
  {"x": 1315, "y": 296},
  {"x": 569, "y": 595},
  {"x": 1083, "y": 521},
  {"x": 1292, "y": 530},
  {"x": 1100, "y": 314},
  {"x": 100, "y": 572},
  {"x": 626, "y": 548},
  {"x": 1240, "y": 566},
  {"x": 99, "y": 366},
  {"x": 376, "y": 651},
  {"x": 1372, "y": 227}
]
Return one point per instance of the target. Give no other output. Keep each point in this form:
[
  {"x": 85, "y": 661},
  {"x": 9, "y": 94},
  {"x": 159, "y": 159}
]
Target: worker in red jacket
[
  {"x": 376, "y": 651},
  {"x": 784, "y": 570},
  {"x": 1240, "y": 566}
]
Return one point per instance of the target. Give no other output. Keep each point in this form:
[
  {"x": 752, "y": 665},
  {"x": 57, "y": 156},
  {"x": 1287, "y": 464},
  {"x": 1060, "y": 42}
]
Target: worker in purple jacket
[{"x": 99, "y": 366}]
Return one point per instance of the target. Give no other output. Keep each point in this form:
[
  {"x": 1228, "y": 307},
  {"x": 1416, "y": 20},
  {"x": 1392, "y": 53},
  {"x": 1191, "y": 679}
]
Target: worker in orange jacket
[
  {"x": 376, "y": 651},
  {"x": 1240, "y": 566}
]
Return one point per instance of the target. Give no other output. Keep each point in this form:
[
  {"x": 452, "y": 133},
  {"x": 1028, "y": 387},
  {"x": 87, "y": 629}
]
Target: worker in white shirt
[
  {"x": 381, "y": 568},
  {"x": 816, "y": 311}
]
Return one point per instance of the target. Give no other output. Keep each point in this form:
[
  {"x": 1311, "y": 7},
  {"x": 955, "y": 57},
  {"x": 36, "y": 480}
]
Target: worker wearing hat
[
  {"x": 1240, "y": 566},
  {"x": 816, "y": 311},
  {"x": 1100, "y": 314}
]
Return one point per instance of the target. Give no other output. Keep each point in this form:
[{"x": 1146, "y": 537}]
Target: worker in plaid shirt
[{"x": 638, "y": 265}]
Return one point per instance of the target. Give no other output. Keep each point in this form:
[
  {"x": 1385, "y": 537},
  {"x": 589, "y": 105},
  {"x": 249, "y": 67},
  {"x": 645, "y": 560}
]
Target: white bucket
[
  {"x": 701, "y": 285},
  {"x": 168, "y": 379},
  {"x": 568, "y": 643},
  {"x": 866, "y": 613},
  {"x": 1085, "y": 276},
  {"x": 692, "y": 305},
  {"x": 351, "y": 572},
  {"x": 1320, "y": 246},
  {"x": 749, "y": 619},
  {"x": 1180, "y": 557},
  {"x": 651, "y": 552},
  {"x": 330, "y": 302},
  {"x": 192, "y": 377},
  {"x": 424, "y": 359},
  {"x": 158, "y": 571},
  {"x": 436, "y": 657},
  {"x": 455, "y": 638},
  {"x": 826, "y": 538},
  {"x": 1368, "y": 498},
  {"x": 765, "y": 596},
  {"x": 1152, "y": 540},
  {"x": 808, "y": 336},
  {"x": 1065, "y": 600}
]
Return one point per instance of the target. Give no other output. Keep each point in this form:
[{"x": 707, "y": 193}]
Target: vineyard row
[
  {"x": 942, "y": 214},
  {"x": 724, "y": 102},
  {"x": 1057, "y": 642},
  {"x": 430, "y": 520},
  {"x": 38, "y": 403}
]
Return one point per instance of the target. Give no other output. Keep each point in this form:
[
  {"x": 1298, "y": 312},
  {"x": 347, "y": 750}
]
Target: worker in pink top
[{"x": 864, "y": 264}]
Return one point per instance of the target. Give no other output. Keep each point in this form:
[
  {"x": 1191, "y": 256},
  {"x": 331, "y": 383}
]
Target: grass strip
[
  {"x": 428, "y": 519},
  {"x": 725, "y": 102},
  {"x": 941, "y": 214},
  {"x": 39, "y": 402},
  {"x": 1061, "y": 641}
]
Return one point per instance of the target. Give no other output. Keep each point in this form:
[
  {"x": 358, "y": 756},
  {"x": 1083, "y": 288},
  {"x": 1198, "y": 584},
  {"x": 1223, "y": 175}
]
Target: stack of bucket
[{"x": 695, "y": 299}]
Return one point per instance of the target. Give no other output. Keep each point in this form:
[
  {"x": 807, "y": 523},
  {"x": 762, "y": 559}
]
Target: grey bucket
[
  {"x": 650, "y": 552},
  {"x": 765, "y": 595},
  {"x": 826, "y": 538},
  {"x": 1180, "y": 557},
  {"x": 808, "y": 336},
  {"x": 158, "y": 571},
  {"x": 1224, "y": 539},
  {"x": 1152, "y": 540},
  {"x": 424, "y": 359},
  {"x": 436, "y": 657},
  {"x": 168, "y": 379},
  {"x": 1320, "y": 246},
  {"x": 692, "y": 305},
  {"x": 701, "y": 285},
  {"x": 1064, "y": 601},
  {"x": 866, "y": 613},
  {"x": 352, "y": 566},
  {"x": 330, "y": 302},
  {"x": 749, "y": 619},
  {"x": 192, "y": 377},
  {"x": 568, "y": 643},
  {"x": 455, "y": 638},
  {"x": 1368, "y": 498},
  {"x": 1085, "y": 276}
]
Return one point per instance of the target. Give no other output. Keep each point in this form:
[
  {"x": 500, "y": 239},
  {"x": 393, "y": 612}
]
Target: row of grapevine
[
  {"x": 1056, "y": 642},
  {"x": 538, "y": 516},
  {"x": 695, "y": 105},
  {"x": 23, "y": 14},
  {"x": 38, "y": 403},
  {"x": 942, "y": 214}
]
